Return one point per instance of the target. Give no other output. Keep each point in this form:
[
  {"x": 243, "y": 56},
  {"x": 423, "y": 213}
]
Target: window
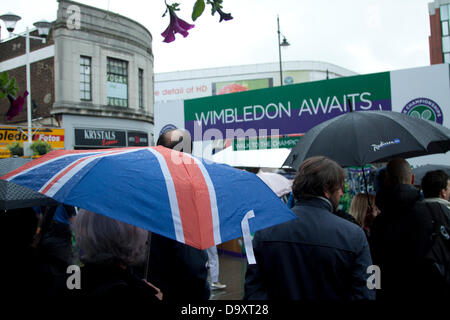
[
  {"x": 447, "y": 57},
  {"x": 117, "y": 82},
  {"x": 85, "y": 78},
  {"x": 445, "y": 28},
  {"x": 446, "y": 44},
  {"x": 141, "y": 88},
  {"x": 444, "y": 12},
  {"x": 445, "y": 17}
]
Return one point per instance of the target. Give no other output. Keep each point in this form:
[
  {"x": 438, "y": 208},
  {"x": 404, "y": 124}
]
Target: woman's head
[
  {"x": 361, "y": 211},
  {"x": 106, "y": 240}
]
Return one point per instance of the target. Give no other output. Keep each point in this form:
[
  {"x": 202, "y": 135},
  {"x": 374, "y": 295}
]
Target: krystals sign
[{"x": 100, "y": 138}]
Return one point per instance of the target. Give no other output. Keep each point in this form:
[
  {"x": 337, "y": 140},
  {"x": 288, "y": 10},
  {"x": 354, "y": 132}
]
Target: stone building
[{"x": 93, "y": 77}]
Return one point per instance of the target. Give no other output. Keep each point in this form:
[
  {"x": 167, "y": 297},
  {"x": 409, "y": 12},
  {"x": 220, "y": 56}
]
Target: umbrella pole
[
  {"x": 147, "y": 255},
  {"x": 366, "y": 187}
]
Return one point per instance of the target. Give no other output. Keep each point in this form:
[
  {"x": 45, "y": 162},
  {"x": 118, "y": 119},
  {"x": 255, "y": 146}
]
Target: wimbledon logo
[{"x": 424, "y": 108}]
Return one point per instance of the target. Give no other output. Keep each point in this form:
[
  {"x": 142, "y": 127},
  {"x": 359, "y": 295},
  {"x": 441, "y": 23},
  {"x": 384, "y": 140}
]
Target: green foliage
[
  {"x": 346, "y": 199},
  {"x": 16, "y": 148},
  {"x": 40, "y": 147},
  {"x": 7, "y": 85},
  {"x": 199, "y": 7}
]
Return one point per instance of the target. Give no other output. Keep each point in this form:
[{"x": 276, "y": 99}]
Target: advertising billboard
[
  {"x": 240, "y": 85},
  {"x": 8, "y": 135},
  {"x": 289, "y": 109},
  {"x": 294, "y": 109}
]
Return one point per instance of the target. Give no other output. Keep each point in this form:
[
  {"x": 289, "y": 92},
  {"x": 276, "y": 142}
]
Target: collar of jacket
[
  {"x": 440, "y": 200},
  {"x": 315, "y": 201},
  {"x": 397, "y": 197}
]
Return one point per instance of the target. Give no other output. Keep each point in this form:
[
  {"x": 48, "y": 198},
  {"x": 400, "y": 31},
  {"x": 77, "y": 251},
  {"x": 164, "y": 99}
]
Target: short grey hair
[{"x": 105, "y": 240}]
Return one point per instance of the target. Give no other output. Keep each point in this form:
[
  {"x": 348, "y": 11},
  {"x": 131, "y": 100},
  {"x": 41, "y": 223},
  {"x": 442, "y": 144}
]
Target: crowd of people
[{"x": 389, "y": 246}]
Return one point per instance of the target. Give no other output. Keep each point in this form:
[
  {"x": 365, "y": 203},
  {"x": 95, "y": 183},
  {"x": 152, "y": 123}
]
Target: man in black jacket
[
  {"x": 318, "y": 256},
  {"x": 177, "y": 269},
  {"x": 401, "y": 236}
]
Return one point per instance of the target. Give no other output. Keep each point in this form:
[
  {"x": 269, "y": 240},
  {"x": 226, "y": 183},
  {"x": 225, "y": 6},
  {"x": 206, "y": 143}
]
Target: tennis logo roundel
[{"x": 424, "y": 108}]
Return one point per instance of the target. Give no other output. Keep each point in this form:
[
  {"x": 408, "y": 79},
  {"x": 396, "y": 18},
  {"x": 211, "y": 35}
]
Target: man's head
[
  {"x": 319, "y": 176},
  {"x": 398, "y": 171},
  {"x": 176, "y": 139},
  {"x": 436, "y": 184}
]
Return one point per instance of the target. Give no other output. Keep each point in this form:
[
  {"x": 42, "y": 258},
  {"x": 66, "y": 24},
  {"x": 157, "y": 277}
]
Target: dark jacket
[
  {"x": 178, "y": 270},
  {"x": 318, "y": 256},
  {"x": 400, "y": 236},
  {"x": 109, "y": 281}
]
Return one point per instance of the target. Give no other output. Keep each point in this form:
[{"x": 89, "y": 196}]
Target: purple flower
[
  {"x": 16, "y": 105},
  {"x": 176, "y": 25},
  {"x": 223, "y": 15}
]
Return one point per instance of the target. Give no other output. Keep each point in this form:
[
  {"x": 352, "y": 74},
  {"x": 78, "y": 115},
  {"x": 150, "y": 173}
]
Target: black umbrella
[
  {"x": 419, "y": 172},
  {"x": 359, "y": 138},
  {"x": 13, "y": 196}
]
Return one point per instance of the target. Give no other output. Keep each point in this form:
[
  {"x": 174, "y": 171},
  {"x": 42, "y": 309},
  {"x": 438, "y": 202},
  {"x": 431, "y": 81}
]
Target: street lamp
[
  {"x": 43, "y": 27},
  {"x": 281, "y": 44}
]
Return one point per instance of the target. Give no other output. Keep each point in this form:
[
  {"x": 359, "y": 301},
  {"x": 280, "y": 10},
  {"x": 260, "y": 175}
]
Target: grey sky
[{"x": 364, "y": 36}]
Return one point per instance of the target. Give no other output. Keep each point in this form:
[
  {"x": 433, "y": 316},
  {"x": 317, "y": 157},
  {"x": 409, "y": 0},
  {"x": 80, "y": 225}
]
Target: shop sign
[
  {"x": 100, "y": 138},
  {"x": 137, "y": 139},
  {"x": 8, "y": 135}
]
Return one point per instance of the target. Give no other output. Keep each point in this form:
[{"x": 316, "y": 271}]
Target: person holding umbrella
[
  {"x": 401, "y": 237},
  {"x": 317, "y": 256},
  {"x": 177, "y": 269}
]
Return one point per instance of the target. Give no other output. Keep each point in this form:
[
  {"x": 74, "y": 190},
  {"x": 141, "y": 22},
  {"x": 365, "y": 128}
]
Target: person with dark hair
[
  {"x": 176, "y": 139},
  {"x": 401, "y": 237},
  {"x": 318, "y": 256},
  {"x": 177, "y": 269},
  {"x": 436, "y": 187}
]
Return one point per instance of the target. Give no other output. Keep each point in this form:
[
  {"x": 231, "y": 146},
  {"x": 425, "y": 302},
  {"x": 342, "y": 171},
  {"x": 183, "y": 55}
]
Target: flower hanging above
[
  {"x": 176, "y": 25},
  {"x": 217, "y": 6},
  {"x": 16, "y": 105}
]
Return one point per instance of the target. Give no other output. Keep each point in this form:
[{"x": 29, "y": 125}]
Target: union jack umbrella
[{"x": 174, "y": 194}]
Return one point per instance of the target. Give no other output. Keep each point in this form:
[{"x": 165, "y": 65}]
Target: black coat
[
  {"x": 400, "y": 236},
  {"x": 110, "y": 281},
  {"x": 318, "y": 256},
  {"x": 178, "y": 270}
]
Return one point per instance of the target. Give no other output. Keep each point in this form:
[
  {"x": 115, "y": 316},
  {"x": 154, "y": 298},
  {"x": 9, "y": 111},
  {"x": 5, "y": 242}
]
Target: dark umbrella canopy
[
  {"x": 13, "y": 196},
  {"x": 358, "y": 138},
  {"x": 420, "y": 172}
]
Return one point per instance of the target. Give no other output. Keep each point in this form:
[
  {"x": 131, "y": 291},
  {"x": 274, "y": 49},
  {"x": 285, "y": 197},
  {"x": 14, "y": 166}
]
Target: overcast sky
[{"x": 364, "y": 36}]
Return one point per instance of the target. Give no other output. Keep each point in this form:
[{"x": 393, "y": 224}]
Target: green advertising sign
[{"x": 289, "y": 109}]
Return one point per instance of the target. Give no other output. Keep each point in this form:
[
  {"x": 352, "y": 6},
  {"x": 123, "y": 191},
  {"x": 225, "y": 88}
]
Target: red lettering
[{"x": 110, "y": 142}]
